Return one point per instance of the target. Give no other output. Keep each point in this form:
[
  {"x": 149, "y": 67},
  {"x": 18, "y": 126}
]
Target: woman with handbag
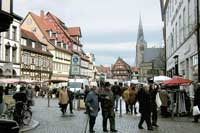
[
  {"x": 63, "y": 100},
  {"x": 197, "y": 103}
]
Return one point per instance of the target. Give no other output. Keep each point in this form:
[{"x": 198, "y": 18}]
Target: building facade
[
  {"x": 121, "y": 70},
  {"x": 180, "y": 18},
  {"x": 48, "y": 31},
  {"x": 6, "y": 14},
  {"x": 10, "y": 50},
  {"x": 180, "y": 24},
  {"x": 36, "y": 60}
]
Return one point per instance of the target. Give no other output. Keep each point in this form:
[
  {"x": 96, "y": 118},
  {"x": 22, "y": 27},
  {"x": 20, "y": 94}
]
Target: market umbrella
[
  {"x": 159, "y": 79},
  {"x": 177, "y": 81}
]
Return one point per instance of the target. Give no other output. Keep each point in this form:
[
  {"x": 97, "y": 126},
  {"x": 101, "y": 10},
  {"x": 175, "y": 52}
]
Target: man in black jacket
[{"x": 144, "y": 99}]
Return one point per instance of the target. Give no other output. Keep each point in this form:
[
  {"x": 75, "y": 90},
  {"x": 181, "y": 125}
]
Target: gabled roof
[
  {"x": 74, "y": 31},
  {"x": 29, "y": 35},
  {"x": 45, "y": 25},
  {"x": 61, "y": 25},
  {"x": 121, "y": 60}
]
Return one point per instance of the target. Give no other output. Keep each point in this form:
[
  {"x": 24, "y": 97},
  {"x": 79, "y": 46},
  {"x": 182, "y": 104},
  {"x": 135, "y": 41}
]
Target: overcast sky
[{"x": 109, "y": 27}]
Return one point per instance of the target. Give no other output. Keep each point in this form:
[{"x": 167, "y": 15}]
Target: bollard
[
  {"x": 48, "y": 96},
  {"x": 78, "y": 103},
  {"x": 120, "y": 107}
]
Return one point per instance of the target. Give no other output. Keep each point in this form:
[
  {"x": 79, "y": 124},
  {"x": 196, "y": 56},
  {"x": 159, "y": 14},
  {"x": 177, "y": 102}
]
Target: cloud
[{"x": 109, "y": 27}]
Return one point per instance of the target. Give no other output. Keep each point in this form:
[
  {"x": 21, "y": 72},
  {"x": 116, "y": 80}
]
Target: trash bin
[{"x": 8, "y": 126}]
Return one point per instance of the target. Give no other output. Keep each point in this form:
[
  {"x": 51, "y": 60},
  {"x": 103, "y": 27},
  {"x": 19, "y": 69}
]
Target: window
[
  {"x": 44, "y": 48},
  {"x": 184, "y": 24},
  {"x": 33, "y": 45},
  {"x": 195, "y": 60},
  {"x": 176, "y": 35},
  {"x": 75, "y": 47},
  {"x": 0, "y": 47},
  {"x": 172, "y": 41},
  {"x": 8, "y": 34},
  {"x": 180, "y": 30},
  {"x": 23, "y": 42},
  {"x": 14, "y": 33},
  {"x": 26, "y": 58},
  {"x": 14, "y": 53},
  {"x": 176, "y": 40},
  {"x": 7, "y": 58},
  {"x": 50, "y": 33},
  {"x": 36, "y": 61}
]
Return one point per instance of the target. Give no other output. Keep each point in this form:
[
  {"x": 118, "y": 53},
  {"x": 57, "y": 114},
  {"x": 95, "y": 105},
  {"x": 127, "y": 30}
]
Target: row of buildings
[
  {"x": 42, "y": 47},
  {"x": 120, "y": 70}
]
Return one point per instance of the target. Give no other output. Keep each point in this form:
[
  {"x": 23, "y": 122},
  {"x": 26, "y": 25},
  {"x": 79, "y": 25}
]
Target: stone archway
[{"x": 14, "y": 73}]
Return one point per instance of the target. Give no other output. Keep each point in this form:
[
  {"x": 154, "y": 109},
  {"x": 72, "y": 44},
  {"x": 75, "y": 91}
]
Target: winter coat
[
  {"x": 92, "y": 103},
  {"x": 144, "y": 100},
  {"x": 125, "y": 95},
  {"x": 116, "y": 90},
  {"x": 63, "y": 97},
  {"x": 107, "y": 101},
  {"x": 197, "y": 98},
  {"x": 132, "y": 97},
  {"x": 164, "y": 98}
]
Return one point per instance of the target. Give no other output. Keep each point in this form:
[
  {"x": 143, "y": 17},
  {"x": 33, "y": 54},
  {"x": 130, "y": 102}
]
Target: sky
[{"x": 109, "y": 27}]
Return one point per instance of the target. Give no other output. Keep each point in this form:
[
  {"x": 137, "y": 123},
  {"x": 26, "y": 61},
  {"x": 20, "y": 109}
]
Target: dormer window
[
  {"x": 49, "y": 33},
  {"x": 33, "y": 44},
  {"x": 55, "y": 34},
  {"x": 44, "y": 48},
  {"x": 64, "y": 46},
  {"x": 60, "y": 44}
]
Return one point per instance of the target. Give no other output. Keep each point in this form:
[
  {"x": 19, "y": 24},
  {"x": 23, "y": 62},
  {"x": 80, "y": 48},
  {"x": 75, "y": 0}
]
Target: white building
[
  {"x": 180, "y": 19},
  {"x": 91, "y": 68},
  {"x": 10, "y": 50}
]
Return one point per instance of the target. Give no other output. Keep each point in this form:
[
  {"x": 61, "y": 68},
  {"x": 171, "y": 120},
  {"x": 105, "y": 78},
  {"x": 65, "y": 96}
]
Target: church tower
[{"x": 140, "y": 45}]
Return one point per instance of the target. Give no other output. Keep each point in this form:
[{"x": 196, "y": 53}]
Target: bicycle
[
  {"x": 9, "y": 110},
  {"x": 22, "y": 113}
]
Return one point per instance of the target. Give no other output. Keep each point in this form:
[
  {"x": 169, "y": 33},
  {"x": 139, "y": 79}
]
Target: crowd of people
[
  {"x": 106, "y": 99},
  {"x": 138, "y": 98}
]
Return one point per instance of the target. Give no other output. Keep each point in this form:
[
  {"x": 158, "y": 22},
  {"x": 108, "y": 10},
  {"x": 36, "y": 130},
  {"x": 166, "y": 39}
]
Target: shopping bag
[
  {"x": 196, "y": 111},
  {"x": 158, "y": 101}
]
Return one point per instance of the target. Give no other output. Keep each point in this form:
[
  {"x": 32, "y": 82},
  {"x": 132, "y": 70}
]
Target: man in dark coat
[
  {"x": 197, "y": 102},
  {"x": 116, "y": 92},
  {"x": 153, "y": 92},
  {"x": 71, "y": 97},
  {"x": 107, "y": 106},
  {"x": 144, "y": 99}
]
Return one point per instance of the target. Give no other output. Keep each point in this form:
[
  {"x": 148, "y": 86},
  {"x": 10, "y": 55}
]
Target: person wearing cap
[
  {"x": 92, "y": 103},
  {"x": 71, "y": 98},
  {"x": 107, "y": 106}
]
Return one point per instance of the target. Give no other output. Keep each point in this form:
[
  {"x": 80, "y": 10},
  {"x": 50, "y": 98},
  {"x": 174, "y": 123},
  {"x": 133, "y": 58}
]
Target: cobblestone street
[{"x": 51, "y": 121}]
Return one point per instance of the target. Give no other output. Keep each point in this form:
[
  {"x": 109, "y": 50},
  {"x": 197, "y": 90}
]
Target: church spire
[{"x": 140, "y": 35}]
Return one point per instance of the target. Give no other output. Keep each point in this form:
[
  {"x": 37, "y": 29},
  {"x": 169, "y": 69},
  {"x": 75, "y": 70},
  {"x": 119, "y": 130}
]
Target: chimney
[{"x": 42, "y": 14}]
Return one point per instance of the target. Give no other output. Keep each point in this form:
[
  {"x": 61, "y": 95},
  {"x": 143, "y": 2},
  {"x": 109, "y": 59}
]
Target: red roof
[
  {"x": 135, "y": 69},
  {"x": 103, "y": 69},
  {"x": 74, "y": 31},
  {"x": 29, "y": 35}
]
